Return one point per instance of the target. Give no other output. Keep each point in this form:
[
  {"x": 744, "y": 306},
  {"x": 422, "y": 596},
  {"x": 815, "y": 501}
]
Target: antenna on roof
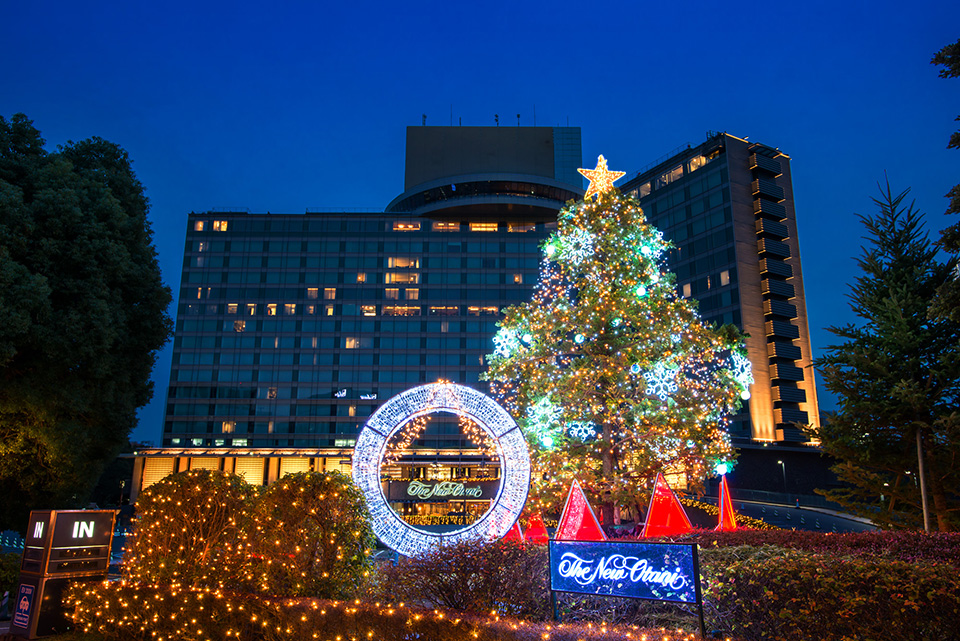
[
  {"x": 424, "y": 123},
  {"x": 496, "y": 119},
  {"x": 518, "y": 120}
]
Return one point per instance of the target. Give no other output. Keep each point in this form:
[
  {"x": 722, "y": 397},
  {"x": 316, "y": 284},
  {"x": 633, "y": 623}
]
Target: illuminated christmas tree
[{"x": 610, "y": 372}]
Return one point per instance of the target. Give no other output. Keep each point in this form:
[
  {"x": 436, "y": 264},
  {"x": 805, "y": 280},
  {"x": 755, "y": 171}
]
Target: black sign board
[
  {"x": 428, "y": 491},
  {"x": 636, "y": 570}
]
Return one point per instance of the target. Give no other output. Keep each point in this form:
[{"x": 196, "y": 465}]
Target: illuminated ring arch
[{"x": 428, "y": 399}]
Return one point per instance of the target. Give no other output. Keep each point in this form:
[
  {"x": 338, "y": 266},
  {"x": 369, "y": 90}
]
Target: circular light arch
[{"x": 463, "y": 401}]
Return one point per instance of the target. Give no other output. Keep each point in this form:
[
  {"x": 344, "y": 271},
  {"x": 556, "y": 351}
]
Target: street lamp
[{"x": 783, "y": 468}]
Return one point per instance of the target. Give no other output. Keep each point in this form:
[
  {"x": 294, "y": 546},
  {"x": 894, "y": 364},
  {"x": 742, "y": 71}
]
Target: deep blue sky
[{"x": 281, "y": 107}]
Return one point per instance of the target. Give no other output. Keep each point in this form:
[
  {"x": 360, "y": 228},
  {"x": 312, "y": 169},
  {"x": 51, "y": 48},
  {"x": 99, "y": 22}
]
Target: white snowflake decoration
[
  {"x": 742, "y": 369},
  {"x": 578, "y": 246},
  {"x": 505, "y": 342},
  {"x": 583, "y": 430},
  {"x": 661, "y": 381},
  {"x": 541, "y": 418}
]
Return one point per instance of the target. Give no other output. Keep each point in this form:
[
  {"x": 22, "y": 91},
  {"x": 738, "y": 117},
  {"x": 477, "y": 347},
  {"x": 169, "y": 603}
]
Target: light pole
[{"x": 783, "y": 468}]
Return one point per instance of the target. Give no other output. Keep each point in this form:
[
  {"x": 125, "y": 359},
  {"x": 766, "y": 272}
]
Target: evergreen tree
[
  {"x": 896, "y": 375},
  {"x": 947, "y": 302},
  {"x": 82, "y": 315},
  {"x": 613, "y": 375}
]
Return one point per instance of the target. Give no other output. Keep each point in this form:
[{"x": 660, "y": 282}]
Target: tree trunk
[
  {"x": 940, "y": 507},
  {"x": 606, "y": 507}
]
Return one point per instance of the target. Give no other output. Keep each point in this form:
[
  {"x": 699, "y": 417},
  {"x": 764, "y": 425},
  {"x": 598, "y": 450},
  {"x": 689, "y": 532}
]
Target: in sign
[
  {"x": 82, "y": 529},
  {"x": 38, "y": 529}
]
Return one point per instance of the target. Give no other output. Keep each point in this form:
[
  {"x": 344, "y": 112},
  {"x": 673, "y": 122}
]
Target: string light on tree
[{"x": 601, "y": 322}]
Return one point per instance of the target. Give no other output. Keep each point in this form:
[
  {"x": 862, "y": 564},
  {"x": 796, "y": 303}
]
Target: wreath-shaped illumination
[{"x": 462, "y": 401}]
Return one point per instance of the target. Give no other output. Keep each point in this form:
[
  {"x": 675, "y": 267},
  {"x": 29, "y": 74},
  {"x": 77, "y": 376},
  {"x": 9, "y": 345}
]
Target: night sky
[{"x": 288, "y": 106}]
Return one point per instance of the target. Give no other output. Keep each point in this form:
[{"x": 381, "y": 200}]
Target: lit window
[
  {"x": 329, "y": 293},
  {"x": 361, "y": 277},
  {"x": 444, "y": 327},
  {"x": 697, "y": 162},
  {"x": 239, "y": 325},
  {"x": 406, "y": 226},
  {"x": 202, "y": 247},
  {"x": 444, "y": 226},
  {"x": 391, "y": 293},
  {"x": 368, "y": 310},
  {"x": 328, "y": 310},
  {"x": 411, "y": 278},
  {"x": 239, "y": 442},
  {"x": 357, "y": 342},
  {"x": 313, "y": 292},
  {"x": 477, "y": 311},
  {"x": 521, "y": 227},
  {"x": 218, "y": 442},
  {"x": 401, "y": 310},
  {"x": 518, "y": 278},
  {"x": 644, "y": 190},
  {"x": 686, "y": 290},
  {"x": 483, "y": 226},
  {"x": 289, "y": 309},
  {"x": 196, "y": 441},
  {"x": 232, "y": 308},
  {"x": 219, "y": 225},
  {"x": 403, "y": 262},
  {"x": 724, "y": 278},
  {"x": 228, "y": 427},
  {"x": 411, "y": 294},
  {"x": 310, "y": 309},
  {"x": 198, "y": 226},
  {"x": 251, "y": 309},
  {"x": 271, "y": 393},
  {"x": 444, "y": 311},
  {"x": 271, "y": 309},
  {"x": 352, "y": 410}
]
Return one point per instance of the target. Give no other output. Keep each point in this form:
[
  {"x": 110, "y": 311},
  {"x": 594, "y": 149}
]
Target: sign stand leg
[
  {"x": 556, "y": 609},
  {"x": 703, "y": 627}
]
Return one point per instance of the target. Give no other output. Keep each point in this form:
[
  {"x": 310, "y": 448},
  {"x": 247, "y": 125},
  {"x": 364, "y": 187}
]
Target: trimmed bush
[
  {"x": 505, "y": 578},
  {"x": 192, "y": 529},
  {"x": 777, "y": 593},
  {"x": 128, "y": 612},
  {"x": 313, "y": 536}
]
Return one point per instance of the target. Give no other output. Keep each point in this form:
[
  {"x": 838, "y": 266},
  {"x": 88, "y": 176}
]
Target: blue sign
[
  {"x": 656, "y": 571},
  {"x": 21, "y": 613}
]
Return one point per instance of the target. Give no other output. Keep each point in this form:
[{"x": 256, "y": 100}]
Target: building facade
[{"x": 292, "y": 329}]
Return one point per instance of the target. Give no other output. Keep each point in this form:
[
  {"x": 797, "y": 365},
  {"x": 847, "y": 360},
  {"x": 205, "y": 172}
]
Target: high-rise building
[
  {"x": 727, "y": 205},
  {"x": 292, "y": 329}
]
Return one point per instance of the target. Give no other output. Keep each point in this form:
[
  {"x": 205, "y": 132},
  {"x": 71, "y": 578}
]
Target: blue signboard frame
[
  {"x": 23, "y": 605},
  {"x": 635, "y": 570}
]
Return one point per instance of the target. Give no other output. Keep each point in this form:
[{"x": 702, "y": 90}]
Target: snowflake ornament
[
  {"x": 541, "y": 418},
  {"x": 505, "y": 342},
  {"x": 661, "y": 381},
  {"x": 583, "y": 430},
  {"x": 578, "y": 246},
  {"x": 742, "y": 371}
]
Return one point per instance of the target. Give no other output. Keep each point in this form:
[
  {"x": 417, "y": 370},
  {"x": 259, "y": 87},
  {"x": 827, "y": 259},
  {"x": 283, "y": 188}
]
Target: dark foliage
[{"x": 82, "y": 315}]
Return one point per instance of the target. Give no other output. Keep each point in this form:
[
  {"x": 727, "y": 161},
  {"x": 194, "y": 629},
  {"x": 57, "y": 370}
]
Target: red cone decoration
[
  {"x": 665, "y": 516},
  {"x": 536, "y": 531},
  {"x": 578, "y": 522},
  {"x": 728, "y": 521},
  {"x": 515, "y": 533}
]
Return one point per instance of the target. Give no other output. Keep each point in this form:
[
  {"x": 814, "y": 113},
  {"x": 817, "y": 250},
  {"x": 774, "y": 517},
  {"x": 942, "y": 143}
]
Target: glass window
[
  {"x": 483, "y": 226},
  {"x": 521, "y": 227},
  {"x": 232, "y": 308},
  {"x": 406, "y": 225},
  {"x": 401, "y": 310},
  {"x": 368, "y": 310},
  {"x": 445, "y": 226},
  {"x": 477, "y": 310},
  {"x": 444, "y": 311},
  {"x": 724, "y": 278},
  {"x": 361, "y": 277},
  {"x": 289, "y": 309},
  {"x": 198, "y": 225},
  {"x": 518, "y": 278},
  {"x": 228, "y": 427},
  {"x": 313, "y": 292},
  {"x": 219, "y": 225},
  {"x": 402, "y": 262},
  {"x": 391, "y": 293},
  {"x": 271, "y": 309},
  {"x": 687, "y": 291},
  {"x": 239, "y": 326},
  {"x": 329, "y": 293},
  {"x": 402, "y": 277},
  {"x": 411, "y": 294}
]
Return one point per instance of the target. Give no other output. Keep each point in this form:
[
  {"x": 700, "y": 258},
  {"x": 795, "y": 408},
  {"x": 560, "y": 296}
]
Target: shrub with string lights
[
  {"x": 192, "y": 529},
  {"x": 611, "y": 373},
  {"x": 313, "y": 536}
]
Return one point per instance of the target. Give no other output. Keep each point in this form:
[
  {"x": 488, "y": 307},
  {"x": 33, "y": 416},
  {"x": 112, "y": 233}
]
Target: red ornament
[
  {"x": 665, "y": 516},
  {"x": 536, "y": 531},
  {"x": 728, "y": 520},
  {"x": 578, "y": 522},
  {"x": 515, "y": 533}
]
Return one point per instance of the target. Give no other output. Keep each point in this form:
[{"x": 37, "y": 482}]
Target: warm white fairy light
[
  {"x": 601, "y": 179},
  {"x": 496, "y": 423}
]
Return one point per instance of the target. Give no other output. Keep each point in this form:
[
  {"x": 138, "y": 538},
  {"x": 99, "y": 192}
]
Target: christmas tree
[{"x": 611, "y": 373}]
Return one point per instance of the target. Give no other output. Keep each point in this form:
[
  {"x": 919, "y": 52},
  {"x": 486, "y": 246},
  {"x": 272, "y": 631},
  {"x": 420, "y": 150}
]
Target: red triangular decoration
[
  {"x": 665, "y": 516},
  {"x": 515, "y": 533},
  {"x": 536, "y": 531},
  {"x": 728, "y": 520},
  {"x": 578, "y": 522}
]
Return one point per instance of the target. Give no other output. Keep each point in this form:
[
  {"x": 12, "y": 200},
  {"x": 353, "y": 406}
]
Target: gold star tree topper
[{"x": 601, "y": 179}]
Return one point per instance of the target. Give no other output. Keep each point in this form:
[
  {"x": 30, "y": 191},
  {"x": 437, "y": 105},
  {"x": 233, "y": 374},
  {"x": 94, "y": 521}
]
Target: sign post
[
  {"x": 61, "y": 547},
  {"x": 651, "y": 571}
]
